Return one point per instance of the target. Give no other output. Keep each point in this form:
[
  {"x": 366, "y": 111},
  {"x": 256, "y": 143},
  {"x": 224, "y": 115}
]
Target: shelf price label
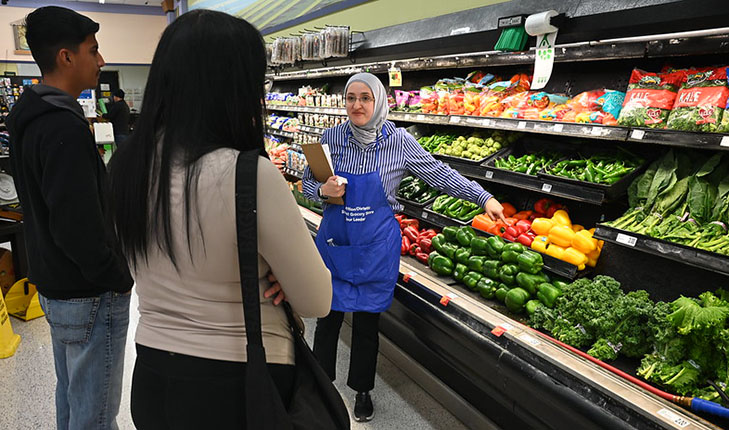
[
  {"x": 455, "y": 119},
  {"x": 626, "y": 240},
  {"x": 486, "y": 122},
  {"x": 637, "y": 134},
  {"x": 558, "y": 128},
  {"x": 420, "y": 117},
  {"x": 424, "y": 215},
  {"x": 521, "y": 125},
  {"x": 596, "y": 131},
  {"x": 526, "y": 337},
  {"x": 724, "y": 141},
  {"x": 489, "y": 174},
  {"x": 673, "y": 417},
  {"x": 547, "y": 188}
]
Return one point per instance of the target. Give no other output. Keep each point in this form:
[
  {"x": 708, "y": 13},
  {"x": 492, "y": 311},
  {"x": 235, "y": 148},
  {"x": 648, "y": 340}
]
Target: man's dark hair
[
  {"x": 50, "y": 29},
  {"x": 119, "y": 93}
]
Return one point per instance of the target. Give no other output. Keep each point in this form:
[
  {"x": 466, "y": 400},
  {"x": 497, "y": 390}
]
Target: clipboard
[{"x": 320, "y": 167}]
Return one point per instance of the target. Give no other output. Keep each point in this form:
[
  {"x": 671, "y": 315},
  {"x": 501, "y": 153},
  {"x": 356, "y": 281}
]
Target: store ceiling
[{"x": 155, "y": 3}]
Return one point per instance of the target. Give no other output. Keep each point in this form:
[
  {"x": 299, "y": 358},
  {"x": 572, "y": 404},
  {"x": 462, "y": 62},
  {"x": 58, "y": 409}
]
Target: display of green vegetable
[
  {"x": 529, "y": 164},
  {"x": 458, "y": 209},
  {"x": 477, "y": 146},
  {"x": 598, "y": 169},
  {"x": 416, "y": 190},
  {"x": 516, "y": 299}
]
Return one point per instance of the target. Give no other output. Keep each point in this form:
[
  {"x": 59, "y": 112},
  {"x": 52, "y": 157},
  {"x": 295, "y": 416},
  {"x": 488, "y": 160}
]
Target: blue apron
[{"x": 360, "y": 244}]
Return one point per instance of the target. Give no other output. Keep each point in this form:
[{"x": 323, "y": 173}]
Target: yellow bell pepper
[
  {"x": 594, "y": 254},
  {"x": 581, "y": 267},
  {"x": 577, "y": 228},
  {"x": 540, "y": 243},
  {"x": 541, "y": 226},
  {"x": 555, "y": 251},
  {"x": 592, "y": 230},
  {"x": 573, "y": 256},
  {"x": 561, "y": 235},
  {"x": 584, "y": 242},
  {"x": 561, "y": 217},
  {"x": 600, "y": 243}
]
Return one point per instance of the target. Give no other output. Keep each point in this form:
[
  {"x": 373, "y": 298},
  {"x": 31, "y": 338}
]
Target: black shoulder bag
[{"x": 315, "y": 403}]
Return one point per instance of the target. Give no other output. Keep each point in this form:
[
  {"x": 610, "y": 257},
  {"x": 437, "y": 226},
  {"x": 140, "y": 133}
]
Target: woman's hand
[
  {"x": 331, "y": 189},
  {"x": 494, "y": 209},
  {"x": 274, "y": 289}
]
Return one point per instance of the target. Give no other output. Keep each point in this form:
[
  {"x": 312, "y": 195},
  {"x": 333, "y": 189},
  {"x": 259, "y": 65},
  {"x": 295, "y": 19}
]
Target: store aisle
[{"x": 27, "y": 381}]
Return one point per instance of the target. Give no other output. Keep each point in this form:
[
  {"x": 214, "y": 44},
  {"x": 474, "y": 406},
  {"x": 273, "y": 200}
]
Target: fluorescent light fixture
[{"x": 102, "y": 1}]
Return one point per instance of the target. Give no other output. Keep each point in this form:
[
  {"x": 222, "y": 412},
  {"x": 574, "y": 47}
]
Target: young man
[
  {"x": 118, "y": 114},
  {"x": 83, "y": 281}
]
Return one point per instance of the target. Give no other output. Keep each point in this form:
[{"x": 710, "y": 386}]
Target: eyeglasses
[{"x": 365, "y": 99}]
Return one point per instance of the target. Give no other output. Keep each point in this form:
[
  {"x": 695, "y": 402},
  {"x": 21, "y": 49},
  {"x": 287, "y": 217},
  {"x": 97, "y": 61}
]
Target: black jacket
[
  {"x": 118, "y": 114},
  {"x": 61, "y": 182}
]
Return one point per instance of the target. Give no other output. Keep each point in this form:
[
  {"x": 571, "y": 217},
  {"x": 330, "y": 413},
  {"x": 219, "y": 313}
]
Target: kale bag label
[
  {"x": 700, "y": 101},
  {"x": 649, "y": 99}
]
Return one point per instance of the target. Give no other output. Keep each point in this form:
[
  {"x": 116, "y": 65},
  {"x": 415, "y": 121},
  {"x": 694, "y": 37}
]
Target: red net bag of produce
[
  {"x": 650, "y": 98},
  {"x": 456, "y": 102},
  {"x": 471, "y": 99},
  {"x": 700, "y": 101},
  {"x": 443, "y": 93},
  {"x": 428, "y": 100},
  {"x": 490, "y": 102}
]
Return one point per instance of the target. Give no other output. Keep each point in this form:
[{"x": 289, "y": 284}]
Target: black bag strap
[{"x": 264, "y": 407}]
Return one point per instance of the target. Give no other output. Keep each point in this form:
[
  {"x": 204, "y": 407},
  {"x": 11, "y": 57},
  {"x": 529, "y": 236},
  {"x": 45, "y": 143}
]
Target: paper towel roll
[{"x": 539, "y": 23}]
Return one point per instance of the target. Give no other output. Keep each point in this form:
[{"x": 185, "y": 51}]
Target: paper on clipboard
[
  {"x": 328, "y": 154},
  {"x": 320, "y": 163}
]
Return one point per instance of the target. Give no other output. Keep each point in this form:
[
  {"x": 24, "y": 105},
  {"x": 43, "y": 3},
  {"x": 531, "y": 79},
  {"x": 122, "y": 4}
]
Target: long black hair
[{"x": 205, "y": 91}]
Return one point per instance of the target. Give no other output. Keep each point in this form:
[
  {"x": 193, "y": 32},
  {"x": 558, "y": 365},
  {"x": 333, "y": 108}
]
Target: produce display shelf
[
  {"x": 714, "y": 141},
  {"x": 673, "y": 251},
  {"x": 281, "y": 133},
  {"x": 594, "y": 131},
  {"x": 582, "y": 51},
  {"x": 427, "y": 214},
  {"x": 292, "y": 172},
  {"x": 311, "y": 129},
  {"x": 308, "y": 109},
  {"x": 296, "y": 147},
  {"x": 556, "y": 188},
  {"x": 572, "y": 388}
]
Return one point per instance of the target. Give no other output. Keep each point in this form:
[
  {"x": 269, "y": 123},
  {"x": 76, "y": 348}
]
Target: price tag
[
  {"x": 530, "y": 339},
  {"x": 558, "y": 128},
  {"x": 489, "y": 174},
  {"x": 498, "y": 331},
  {"x": 674, "y": 418},
  {"x": 420, "y": 117},
  {"x": 626, "y": 240},
  {"x": 424, "y": 215},
  {"x": 521, "y": 125},
  {"x": 447, "y": 299},
  {"x": 462, "y": 30},
  {"x": 486, "y": 122},
  {"x": 547, "y": 188},
  {"x": 724, "y": 141},
  {"x": 407, "y": 117},
  {"x": 637, "y": 134},
  {"x": 408, "y": 276},
  {"x": 395, "y": 77},
  {"x": 455, "y": 119},
  {"x": 596, "y": 131}
]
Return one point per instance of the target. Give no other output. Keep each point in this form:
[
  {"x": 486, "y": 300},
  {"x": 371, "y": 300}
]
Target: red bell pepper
[
  {"x": 426, "y": 244},
  {"x": 428, "y": 234},
  {"x": 522, "y": 226},
  {"x": 411, "y": 233},
  {"x": 552, "y": 209},
  {"x": 405, "y": 245},
  {"x": 422, "y": 257},
  {"x": 525, "y": 240},
  {"x": 512, "y": 231},
  {"x": 414, "y": 249},
  {"x": 399, "y": 218},
  {"x": 509, "y": 237},
  {"x": 407, "y": 222},
  {"x": 543, "y": 205}
]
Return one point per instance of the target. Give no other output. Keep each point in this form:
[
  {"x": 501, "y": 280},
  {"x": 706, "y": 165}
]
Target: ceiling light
[{"x": 102, "y": 1}]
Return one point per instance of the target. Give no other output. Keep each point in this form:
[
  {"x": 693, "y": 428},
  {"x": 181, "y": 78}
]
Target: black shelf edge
[
  {"x": 684, "y": 254},
  {"x": 280, "y": 133},
  {"x": 308, "y": 109},
  {"x": 292, "y": 172},
  {"x": 296, "y": 147},
  {"x": 312, "y": 129},
  {"x": 553, "y": 188},
  {"x": 687, "y": 139},
  {"x": 430, "y": 216}
]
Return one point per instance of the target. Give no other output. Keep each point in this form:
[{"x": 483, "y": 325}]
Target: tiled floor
[{"x": 27, "y": 381}]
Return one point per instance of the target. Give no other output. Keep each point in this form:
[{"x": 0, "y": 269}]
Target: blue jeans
[{"x": 89, "y": 336}]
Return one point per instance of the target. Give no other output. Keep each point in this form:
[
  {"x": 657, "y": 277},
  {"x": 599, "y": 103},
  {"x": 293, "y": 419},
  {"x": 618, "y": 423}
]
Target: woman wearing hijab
[{"x": 360, "y": 241}]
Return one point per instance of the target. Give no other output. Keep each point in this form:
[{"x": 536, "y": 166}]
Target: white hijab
[{"x": 368, "y": 133}]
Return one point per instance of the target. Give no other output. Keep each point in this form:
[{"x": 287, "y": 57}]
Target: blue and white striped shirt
[{"x": 399, "y": 154}]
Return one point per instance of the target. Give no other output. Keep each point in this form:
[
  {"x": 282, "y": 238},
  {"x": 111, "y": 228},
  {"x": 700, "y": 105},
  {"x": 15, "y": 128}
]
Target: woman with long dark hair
[{"x": 173, "y": 205}]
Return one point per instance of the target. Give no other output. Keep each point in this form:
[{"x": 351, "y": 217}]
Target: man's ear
[{"x": 64, "y": 58}]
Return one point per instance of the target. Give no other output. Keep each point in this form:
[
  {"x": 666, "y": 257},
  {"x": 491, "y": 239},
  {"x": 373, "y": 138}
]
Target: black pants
[
  {"x": 365, "y": 343},
  {"x": 176, "y": 391}
]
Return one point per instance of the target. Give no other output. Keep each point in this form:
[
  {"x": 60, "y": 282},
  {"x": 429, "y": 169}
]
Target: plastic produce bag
[
  {"x": 700, "y": 101},
  {"x": 650, "y": 98}
]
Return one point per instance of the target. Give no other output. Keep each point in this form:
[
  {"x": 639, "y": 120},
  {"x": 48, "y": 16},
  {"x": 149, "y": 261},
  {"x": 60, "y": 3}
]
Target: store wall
[
  {"x": 123, "y": 38},
  {"x": 384, "y": 13}
]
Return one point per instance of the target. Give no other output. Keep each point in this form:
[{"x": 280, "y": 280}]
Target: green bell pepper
[
  {"x": 516, "y": 299},
  {"x": 465, "y": 235},
  {"x": 532, "y": 305},
  {"x": 479, "y": 246},
  {"x": 438, "y": 241},
  {"x": 450, "y": 233},
  {"x": 460, "y": 272},
  {"x": 500, "y": 293},
  {"x": 560, "y": 284},
  {"x": 491, "y": 268},
  {"x": 475, "y": 263},
  {"x": 441, "y": 265},
  {"x": 471, "y": 280},
  {"x": 449, "y": 250},
  {"x": 510, "y": 257},
  {"x": 530, "y": 262},
  {"x": 495, "y": 246},
  {"x": 548, "y": 294},
  {"x": 431, "y": 256},
  {"x": 507, "y": 274},
  {"x": 462, "y": 255},
  {"x": 487, "y": 287},
  {"x": 516, "y": 247},
  {"x": 530, "y": 282}
]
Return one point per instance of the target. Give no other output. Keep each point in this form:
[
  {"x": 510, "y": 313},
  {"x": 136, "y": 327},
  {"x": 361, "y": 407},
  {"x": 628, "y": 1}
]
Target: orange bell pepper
[
  {"x": 482, "y": 222},
  {"x": 509, "y": 209},
  {"x": 523, "y": 214},
  {"x": 577, "y": 228}
]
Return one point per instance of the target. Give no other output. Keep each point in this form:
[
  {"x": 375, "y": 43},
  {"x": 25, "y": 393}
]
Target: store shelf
[
  {"x": 523, "y": 357},
  {"x": 311, "y": 129},
  {"x": 296, "y": 147},
  {"x": 292, "y": 172},
  {"x": 680, "y": 253},
  {"x": 308, "y": 109},
  {"x": 532, "y": 183},
  {"x": 280, "y": 133},
  {"x": 712, "y": 141}
]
